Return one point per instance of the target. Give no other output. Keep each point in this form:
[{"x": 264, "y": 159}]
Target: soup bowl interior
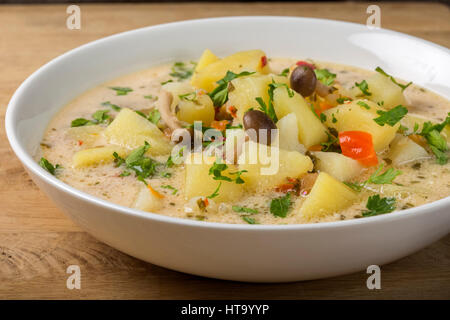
[{"x": 233, "y": 252}]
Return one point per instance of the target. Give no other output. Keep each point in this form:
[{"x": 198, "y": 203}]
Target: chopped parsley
[
  {"x": 323, "y": 117},
  {"x": 239, "y": 209},
  {"x": 190, "y": 96},
  {"x": 284, "y": 73},
  {"x": 269, "y": 109},
  {"x": 377, "y": 205},
  {"x": 181, "y": 71},
  {"x": 341, "y": 100},
  {"x": 50, "y": 168},
  {"x": 325, "y": 76},
  {"x": 166, "y": 82},
  {"x": 280, "y": 206},
  {"x": 99, "y": 116},
  {"x": 121, "y": 91},
  {"x": 392, "y": 116},
  {"x": 403, "y": 87},
  {"x": 435, "y": 140},
  {"x": 363, "y": 104},
  {"x": 249, "y": 220},
  {"x": 386, "y": 177},
  {"x": 332, "y": 144},
  {"x": 216, "y": 192},
  {"x": 151, "y": 97},
  {"x": 115, "y": 107},
  {"x": 217, "y": 169},
  {"x": 220, "y": 94},
  {"x": 154, "y": 116},
  {"x": 364, "y": 87},
  {"x": 136, "y": 161},
  {"x": 168, "y": 186}
]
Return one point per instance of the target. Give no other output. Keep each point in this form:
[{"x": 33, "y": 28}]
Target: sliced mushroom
[{"x": 163, "y": 104}]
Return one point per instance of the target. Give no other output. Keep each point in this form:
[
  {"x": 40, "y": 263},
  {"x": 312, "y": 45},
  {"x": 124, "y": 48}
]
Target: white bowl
[{"x": 257, "y": 253}]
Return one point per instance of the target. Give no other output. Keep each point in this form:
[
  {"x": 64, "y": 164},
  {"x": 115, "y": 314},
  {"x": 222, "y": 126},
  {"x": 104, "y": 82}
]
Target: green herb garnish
[
  {"x": 181, "y": 71},
  {"x": 392, "y": 116},
  {"x": 121, "y": 91},
  {"x": 115, "y": 107},
  {"x": 377, "y": 205},
  {"x": 325, "y": 76},
  {"x": 220, "y": 94},
  {"x": 280, "y": 206},
  {"x": 216, "y": 192},
  {"x": 381, "y": 71},
  {"x": 244, "y": 210},
  {"x": 284, "y": 73},
  {"x": 363, "y": 104},
  {"x": 249, "y": 220},
  {"x": 44, "y": 163},
  {"x": 168, "y": 186},
  {"x": 364, "y": 87}
]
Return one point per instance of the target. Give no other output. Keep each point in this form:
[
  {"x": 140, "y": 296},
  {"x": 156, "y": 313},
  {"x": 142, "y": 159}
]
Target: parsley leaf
[
  {"x": 435, "y": 140},
  {"x": 284, "y": 73},
  {"x": 249, "y": 220},
  {"x": 154, "y": 116},
  {"x": 168, "y": 186},
  {"x": 101, "y": 116},
  {"x": 181, "y": 71},
  {"x": 280, "y": 206},
  {"x": 79, "y": 122},
  {"x": 386, "y": 177},
  {"x": 220, "y": 94},
  {"x": 239, "y": 209},
  {"x": 216, "y": 192},
  {"x": 121, "y": 91},
  {"x": 341, "y": 100},
  {"x": 392, "y": 116},
  {"x": 364, "y": 87},
  {"x": 325, "y": 76},
  {"x": 217, "y": 169},
  {"x": 363, "y": 104},
  {"x": 44, "y": 163},
  {"x": 381, "y": 71},
  {"x": 136, "y": 161},
  {"x": 115, "y": 107},
  {"x": 377, "y": 205},
  {"x": 332, "y": 144},
  {"x": 238, "y": 178}
]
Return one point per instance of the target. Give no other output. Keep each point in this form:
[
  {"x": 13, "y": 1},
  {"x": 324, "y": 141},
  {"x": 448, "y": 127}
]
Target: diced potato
[
  {"x": 130, "y": 130},
  {"x": 189, "y": 104},
  {"x": 327, "y": 196},
  {"x": 241, "y": 61},
  {"x": 88, "y": 135},
  {"x": 147, "y": 201},
  {"x": 337, "y": 165},
  {"x": 310, "y": 130},
  {"x": 288, "y": 134},
  {"x": 206, "y": 59},
  {"x": 382, "y": 90},
  {"x": 246, "y": 89},
  {"x": 235, "y": 138},
  {"x": 200, "y": 183},
  {"x": 410, "y": 120},
  {"x": 95, "y": 156},
  {"x": 266, "y": 169},
  {"x": 352, "y": 116},
  {"x": 404, "y": 150}
]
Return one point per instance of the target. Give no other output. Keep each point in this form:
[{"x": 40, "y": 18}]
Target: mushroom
[{"x": 163, "y": 104}]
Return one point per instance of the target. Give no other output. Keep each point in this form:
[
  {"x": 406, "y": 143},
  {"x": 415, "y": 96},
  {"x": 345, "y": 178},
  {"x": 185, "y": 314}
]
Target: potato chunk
[
  {"x": 190, "y": 105},
  {"x": 200, "y": 183},
  {"x": 310, "y": 130},
  {"x": 95, "y": 156},
  {"x": 88, "y": 135},
  {"x": 130, "y": 130},
  {"x": 148, "y": 201},
  {"x": 266, "y": 170},
  {"x": 251, "y": 60},
  {"x": 288, "y": 134},
  {"x": 327, "y": 196},
  {"x": 246, "y": 89},
  {"x": 382, "y": 90},
  {"x": 404, "y": 150},
  {"x": 206, "y": 59},
  {"x": 337, "y": 165},
  {"x": 351, "y": 116}
]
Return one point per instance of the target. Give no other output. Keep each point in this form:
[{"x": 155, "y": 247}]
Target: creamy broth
[{"x": 423, "y": 181}]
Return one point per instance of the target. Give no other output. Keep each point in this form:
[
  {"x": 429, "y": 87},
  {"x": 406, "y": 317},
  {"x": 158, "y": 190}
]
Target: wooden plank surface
[{"x": 37, "y": 242}]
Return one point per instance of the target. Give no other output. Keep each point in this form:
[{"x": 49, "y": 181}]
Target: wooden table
[{"x": 37, "y": 242}]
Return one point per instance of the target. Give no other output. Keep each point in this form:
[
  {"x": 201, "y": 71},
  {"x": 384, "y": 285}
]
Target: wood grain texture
[{"x": 37, "y": 242}]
